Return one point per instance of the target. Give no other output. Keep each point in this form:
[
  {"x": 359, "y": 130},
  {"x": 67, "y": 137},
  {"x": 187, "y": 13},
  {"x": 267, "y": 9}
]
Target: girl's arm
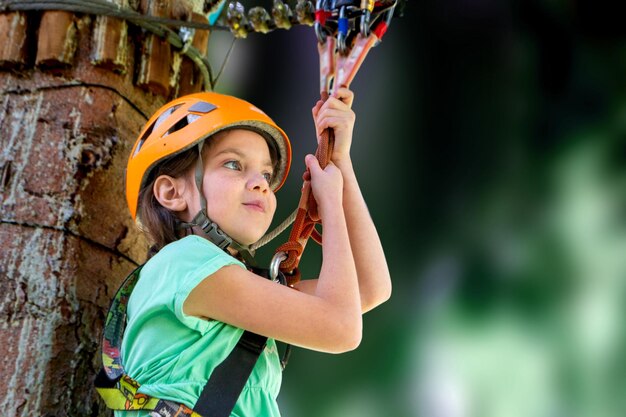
[
  {"x": 369, "y": 257},
  {"x": 371, "y": 266},
  {"x": 327, "y": 319}
]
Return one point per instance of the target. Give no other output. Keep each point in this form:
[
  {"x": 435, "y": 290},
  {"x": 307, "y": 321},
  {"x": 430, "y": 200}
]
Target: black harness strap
[{"x": 227, "y": 380}]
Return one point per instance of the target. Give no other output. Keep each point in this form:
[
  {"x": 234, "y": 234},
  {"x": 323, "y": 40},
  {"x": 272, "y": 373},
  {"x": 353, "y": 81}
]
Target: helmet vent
[
  {"x": 156, "y": 123},
  {"x": 143, "y": 138},
  {"x": 202, "y": 107},
  {"x": 177, "y": 126}
]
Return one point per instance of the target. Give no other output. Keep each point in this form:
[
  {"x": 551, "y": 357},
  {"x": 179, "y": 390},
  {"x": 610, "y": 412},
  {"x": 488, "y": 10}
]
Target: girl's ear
[{"x": 170, "y": 192}]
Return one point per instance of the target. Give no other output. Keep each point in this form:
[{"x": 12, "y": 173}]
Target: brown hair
[
  {"x": 159, "y": 223},
  {"x": 156, "y": 221}
]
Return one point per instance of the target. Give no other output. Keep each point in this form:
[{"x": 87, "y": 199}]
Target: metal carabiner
[
  {"x": 342, "y": 31},
  {"x": 365, "y": 23},
  {"x": 367, "y": 6},
  {"x": 319, "y": 32},
  {"x": 274, "y": 267},
  {"x": 320, "y": 9}
]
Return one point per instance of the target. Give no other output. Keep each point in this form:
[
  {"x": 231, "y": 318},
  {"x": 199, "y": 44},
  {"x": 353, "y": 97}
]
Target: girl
[{"x": 201, "y": 181}]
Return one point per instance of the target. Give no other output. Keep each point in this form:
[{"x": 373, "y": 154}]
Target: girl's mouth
[{"x": 255, "y": 205}]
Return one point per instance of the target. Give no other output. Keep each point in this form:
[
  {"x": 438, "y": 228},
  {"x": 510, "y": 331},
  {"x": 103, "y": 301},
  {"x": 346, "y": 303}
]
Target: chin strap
[{"x": 211, "y": 230}]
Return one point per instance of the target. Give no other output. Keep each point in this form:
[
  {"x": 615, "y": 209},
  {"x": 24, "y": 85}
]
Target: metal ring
[
  {"x": 341, "y": 43},
  {"x": 319, "y": 31},
  {"x": 342, "y": 35},
  {"x": 276, "y": 260},
  {"x": 320, "y": 5},
  {"x": 365, "y": 23}
]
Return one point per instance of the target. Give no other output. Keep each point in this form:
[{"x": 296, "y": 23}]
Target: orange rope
[{"x": 307, "y": 215}]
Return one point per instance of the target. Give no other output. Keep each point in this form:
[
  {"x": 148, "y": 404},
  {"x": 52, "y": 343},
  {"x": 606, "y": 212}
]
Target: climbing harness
[
  {"x": 341, "y": 53},
  {"x": 120, "y": 392}
]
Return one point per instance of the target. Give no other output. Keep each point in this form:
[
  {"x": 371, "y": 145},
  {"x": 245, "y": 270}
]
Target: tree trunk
[{"x": 70, "y": 110}]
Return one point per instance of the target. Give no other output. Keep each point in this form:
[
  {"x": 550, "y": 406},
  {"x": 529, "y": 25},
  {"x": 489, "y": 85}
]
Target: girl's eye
[
  {"x": 268, "y": 177},
  {"x": 234, "y": 165}
]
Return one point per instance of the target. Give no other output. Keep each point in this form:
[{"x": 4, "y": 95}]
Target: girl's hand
[
  {"x": 326, "y": 185},
  {"x": 336, "y": 113}
]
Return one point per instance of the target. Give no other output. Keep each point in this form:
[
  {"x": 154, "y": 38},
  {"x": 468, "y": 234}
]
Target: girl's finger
[
  {"x": 312, "y": 163},
  {"x": 315, "y": 110},
  {"x": 333, "y": 119},
  {"x": 332, "y": 112},
  {"x": 345, "y": 95}
]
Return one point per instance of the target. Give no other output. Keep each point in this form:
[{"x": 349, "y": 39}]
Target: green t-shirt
[{"x": 172, "y": 354}]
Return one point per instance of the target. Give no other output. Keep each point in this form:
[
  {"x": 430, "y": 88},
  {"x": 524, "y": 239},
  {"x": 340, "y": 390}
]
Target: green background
[{"x": 490, "y": 145}]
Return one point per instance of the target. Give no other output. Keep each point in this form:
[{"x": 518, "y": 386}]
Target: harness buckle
[{"x": 212, "y": 230}]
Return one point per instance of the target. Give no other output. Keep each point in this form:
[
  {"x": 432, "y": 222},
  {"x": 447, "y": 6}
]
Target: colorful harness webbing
[{"x": 119, "y": 391}]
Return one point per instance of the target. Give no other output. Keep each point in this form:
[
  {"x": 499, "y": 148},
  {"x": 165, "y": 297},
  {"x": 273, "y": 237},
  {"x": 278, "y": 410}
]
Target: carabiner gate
[
  {"x": 342, "y": 31},
  {"x": 275, "y": 274}
]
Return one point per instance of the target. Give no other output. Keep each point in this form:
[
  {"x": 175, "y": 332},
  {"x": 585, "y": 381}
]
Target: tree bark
[{"x": 68, "y": 118}]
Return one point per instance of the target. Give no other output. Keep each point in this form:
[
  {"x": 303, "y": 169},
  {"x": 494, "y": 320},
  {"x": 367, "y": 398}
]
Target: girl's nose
[{"x": 257, "y": 181}]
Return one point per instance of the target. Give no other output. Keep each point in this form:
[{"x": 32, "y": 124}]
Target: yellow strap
[{"x": 124, "y": 397}]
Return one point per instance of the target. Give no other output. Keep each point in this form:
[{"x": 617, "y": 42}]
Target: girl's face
[{"x": 237, "y": 171}]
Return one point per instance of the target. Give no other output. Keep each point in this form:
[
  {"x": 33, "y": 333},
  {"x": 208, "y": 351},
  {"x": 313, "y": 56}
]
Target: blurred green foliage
[{"x": 490, "y": 144}]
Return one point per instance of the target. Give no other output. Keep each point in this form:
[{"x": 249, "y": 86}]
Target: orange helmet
[{"x": 188, "y": 120}]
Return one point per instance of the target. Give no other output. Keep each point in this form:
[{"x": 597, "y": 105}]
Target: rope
[
  {"x": 277, "y": 231},
  {"x": 340, "y": 67},
  {"x": 102, "y": 7},
  {"x": 307, "y": 215},
  {"x": 306, "y": 218}
]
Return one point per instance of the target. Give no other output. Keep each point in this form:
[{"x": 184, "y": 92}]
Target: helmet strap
[{"x": 211, "y": 230}]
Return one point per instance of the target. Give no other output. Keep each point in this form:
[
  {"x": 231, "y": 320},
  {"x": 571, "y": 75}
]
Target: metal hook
[
  {"x": 365, "y": 23},
  {"x": 319, "y": 32},
  {"x": 319, "y": 26},
  {"x": 275, "y": 264},
  {"x": 367, "y": 6},
  {"x": 342, "y": 31}
]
